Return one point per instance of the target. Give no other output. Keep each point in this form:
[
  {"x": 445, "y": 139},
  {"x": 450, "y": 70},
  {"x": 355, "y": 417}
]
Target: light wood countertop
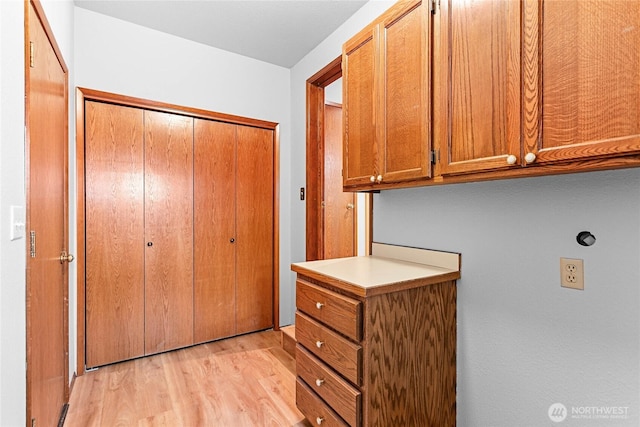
[{"x": 375, "y": 274}]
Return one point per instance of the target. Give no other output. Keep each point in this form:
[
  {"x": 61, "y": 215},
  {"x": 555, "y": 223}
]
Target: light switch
[{"x": 17, "y": 223}]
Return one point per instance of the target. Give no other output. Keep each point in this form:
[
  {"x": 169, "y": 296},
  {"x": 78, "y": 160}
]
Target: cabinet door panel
[
  {"x": 360, "y": 155},
  {"x": 406, "y": 54},
  {"x": 254, "y": 225},
  {"x": 590, "y": 79},
  {"x": 214, "y": 225},
  {"x": 478, "y": 103},
  {"x": 169, "y": 227},
  {"x": 114, "y": 218}
]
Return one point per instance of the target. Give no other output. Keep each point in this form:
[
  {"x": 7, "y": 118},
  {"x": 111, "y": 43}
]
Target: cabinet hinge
[
  {"x": 434, "y": 156},
  {"x": 31, "y": 61},
  {"x": 434, "y": 6}
]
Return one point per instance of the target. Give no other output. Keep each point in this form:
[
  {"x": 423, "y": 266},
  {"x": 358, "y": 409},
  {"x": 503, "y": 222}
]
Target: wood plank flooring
[{"x": 242, "y": 381}]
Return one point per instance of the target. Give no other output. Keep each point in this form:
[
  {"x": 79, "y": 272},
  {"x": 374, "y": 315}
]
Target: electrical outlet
[{"x": 572, "y": 273}]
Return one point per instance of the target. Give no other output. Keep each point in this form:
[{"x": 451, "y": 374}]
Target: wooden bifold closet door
[
  {"x": 179, "y": 215},
  {"x": 233, "y": 229}
]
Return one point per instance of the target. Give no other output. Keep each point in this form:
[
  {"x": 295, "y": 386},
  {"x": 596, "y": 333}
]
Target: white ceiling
[{"x": 275, "y": 31}]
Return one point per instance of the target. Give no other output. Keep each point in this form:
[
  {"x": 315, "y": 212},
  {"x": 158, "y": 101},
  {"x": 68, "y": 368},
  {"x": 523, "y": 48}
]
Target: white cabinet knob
[
  {"x": 379, "y": 178},
  {"x": 319, "y": 420},
  {"x": 319, "y": 344},
  {"x": 530, "y": 157},
  {"x": 319, "y": 382},
  {"x": 319, "y": 305},
  {"x": 511, "y": 159},
  {"x": 372, "y": 179}
]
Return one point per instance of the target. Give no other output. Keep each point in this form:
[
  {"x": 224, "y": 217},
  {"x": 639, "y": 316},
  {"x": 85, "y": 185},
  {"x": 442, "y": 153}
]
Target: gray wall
[{"x": 524, "y": 342}]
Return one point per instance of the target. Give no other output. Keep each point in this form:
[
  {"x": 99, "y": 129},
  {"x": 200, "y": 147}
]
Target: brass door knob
[{"x": 65, "y": 257}]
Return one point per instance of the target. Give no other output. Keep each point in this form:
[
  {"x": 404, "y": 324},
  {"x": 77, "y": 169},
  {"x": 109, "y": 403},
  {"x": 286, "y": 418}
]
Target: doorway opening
[{"x": 338, "y": 223}]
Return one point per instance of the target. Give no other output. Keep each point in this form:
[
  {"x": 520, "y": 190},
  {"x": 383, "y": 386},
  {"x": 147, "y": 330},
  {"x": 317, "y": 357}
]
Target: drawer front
[
  {"x": 332, "y": 348},
  {"x": 314, "y": 409},
  {"x": 339, "y": 394},
  {"x": 341, "y": 313}
]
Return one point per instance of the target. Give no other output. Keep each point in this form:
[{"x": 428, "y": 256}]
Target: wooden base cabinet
[{"x": 383, "y": 359}]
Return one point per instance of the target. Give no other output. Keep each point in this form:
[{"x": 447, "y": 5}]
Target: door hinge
[
  {"x": 32, "y": 244},
  {"x": 434, "y": 156},
  {"x": 31, "y": 61},
  {"x": 434, "y": 6}
]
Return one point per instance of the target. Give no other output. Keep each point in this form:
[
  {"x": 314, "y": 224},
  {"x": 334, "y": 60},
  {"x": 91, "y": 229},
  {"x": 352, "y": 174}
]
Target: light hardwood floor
[{"x": 242, "y": 381}]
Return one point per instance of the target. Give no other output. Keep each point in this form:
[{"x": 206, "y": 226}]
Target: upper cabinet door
[
  {"x": 582, "y": 90},
  {"x": 387, "y": 99},
  {"x": 359, "y": 73},
  {"x": 477, "y": 96},
  {"x": 405, "y": 101}
]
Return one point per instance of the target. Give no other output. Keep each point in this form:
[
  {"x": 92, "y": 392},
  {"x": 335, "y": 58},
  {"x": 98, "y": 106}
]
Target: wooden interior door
[
  {"x": 215, "y": 230},
  {"x": 114, "y": 248},
  {"x": 339, "y": 231},
  {"x": 254, "y": 229},
  {"x": 47, "y": 222},
  {"x": 168, "y": 264}
]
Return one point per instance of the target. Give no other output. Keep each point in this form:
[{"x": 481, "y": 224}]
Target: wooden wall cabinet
[
  {"x": 387, "y": 99},
  {"x": 179, "y": 230},
  {"x": 535, "y": 83},
  {"x": 520, "y": 88}
]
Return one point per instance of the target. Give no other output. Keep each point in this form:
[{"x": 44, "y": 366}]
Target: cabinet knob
[
  {"x": 530, "y": 157},
  {"x": 319, "y": 305},
  {"x": 379, "y": 179},
  {"x": 319, "y": 344},
  {"x": 319, "y": 420},
  {"x": 232, "y": 240},
  {"x": 350, "y": 206},
  {"x": 319, "y": 382},
  {"x": 372, "y": 178},
  {"x": 511, "y": 159}
]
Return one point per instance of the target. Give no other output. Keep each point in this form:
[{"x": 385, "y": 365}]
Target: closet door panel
[
  {"x": 254, "y": 243},
  {"x": 114, "y": 202},
  {"x": 169, "y": 231},
  {"x": 214, "y": 216}
]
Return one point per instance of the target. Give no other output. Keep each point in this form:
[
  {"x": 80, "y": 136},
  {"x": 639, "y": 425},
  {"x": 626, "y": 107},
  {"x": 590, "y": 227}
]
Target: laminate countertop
[{"x": 388, "y": 269}]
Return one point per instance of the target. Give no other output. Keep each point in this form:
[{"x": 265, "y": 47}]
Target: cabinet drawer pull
[
  {"x": 319, "y": 344},
  {"x": 319, "y": 305},
  {"x": 511, "y": 159},
  {"x": 319, "y": 420},
  {"x": 319, "y": 382}
]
